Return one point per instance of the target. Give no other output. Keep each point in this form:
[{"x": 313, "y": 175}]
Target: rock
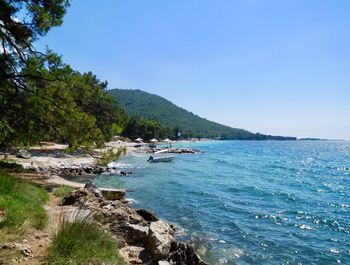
[
  {"x": 160, "y": 238},
  {"x": 93, "y": 188},
  {"x": 88, "y": 170},
  {"x": 74, "y": 197},
  {"x": 76, "y": 214},
  {"x": 90, "y": 185},
  {"x": 24, "y": 154},
  {"x": 7, "y": 246},
  {"x": 146, "y": 238},
  {"x": 25, "y": 249},
  {"x": 113, "y": 194},
  {"x": 147, "y": 215},
  {"x": 66, "y": 169},
  {"x": 126, "y": 173},
  {"x": 135, "y": 255},
  {"x": 164, "y": 262},
  {"x": 182, "y": 253},
  {"x": 99, "y": 170},
  {"x": 182, "y": 151},
  {"x": 136, "y": 233},
  {"x": 76, "y": 169},
  {"x": 41, "y": 235}
]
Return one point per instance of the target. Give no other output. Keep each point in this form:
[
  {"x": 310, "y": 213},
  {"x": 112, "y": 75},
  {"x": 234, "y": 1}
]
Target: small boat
[{"x": 160, "y": 159}]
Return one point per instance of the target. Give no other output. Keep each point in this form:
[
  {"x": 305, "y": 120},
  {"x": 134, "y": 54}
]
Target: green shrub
[
  {"x": 111, "y": 155},
  {"x": 10, "y": 165},
  {"x": 62, "y": 191},
  {"x": 22, "y": 203},
  {"x": 82, "y": 242}
]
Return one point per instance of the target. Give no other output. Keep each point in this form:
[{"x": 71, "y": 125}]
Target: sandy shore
[
  {"x": 54, "y": 155},
  {"x": 45, "y": 159},
  {"x": 57, "y": 180}
]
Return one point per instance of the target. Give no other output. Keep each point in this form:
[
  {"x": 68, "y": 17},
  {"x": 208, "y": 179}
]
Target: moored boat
[{"x": 160, "y": 159}]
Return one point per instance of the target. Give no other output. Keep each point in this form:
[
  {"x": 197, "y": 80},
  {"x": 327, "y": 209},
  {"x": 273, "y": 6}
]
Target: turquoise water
[{"x": 251, "y": 202}]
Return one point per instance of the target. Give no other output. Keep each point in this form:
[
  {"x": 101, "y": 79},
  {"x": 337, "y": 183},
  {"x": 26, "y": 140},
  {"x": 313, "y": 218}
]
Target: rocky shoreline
[
  {"x": 142, "y": 237},
  {"x": 62, "y": 164},
  {"x": 77, "y": 170},
  {"x": 181, "y": 151}
]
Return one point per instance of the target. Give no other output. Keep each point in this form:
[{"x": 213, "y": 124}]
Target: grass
[
  {"x": 22, "y": 203},
  {"x": 82, "y": 242},
  {"x": 62, "y": 191}
]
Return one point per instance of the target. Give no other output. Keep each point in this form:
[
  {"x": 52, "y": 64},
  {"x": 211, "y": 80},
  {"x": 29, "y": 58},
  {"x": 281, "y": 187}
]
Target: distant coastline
[
  {"x": 178, "y": 122},
  {"x": 319, "y": 139}
]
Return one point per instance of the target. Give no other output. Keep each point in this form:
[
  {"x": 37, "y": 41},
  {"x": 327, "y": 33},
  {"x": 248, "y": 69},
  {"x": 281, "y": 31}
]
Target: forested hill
[{"x": 150, "y": 106}]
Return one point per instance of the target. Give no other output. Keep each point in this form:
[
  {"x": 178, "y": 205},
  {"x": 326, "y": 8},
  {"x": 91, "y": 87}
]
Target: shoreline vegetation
[
  {"x": 140, "y": 236},
  {"x": 34, "y": 229}
]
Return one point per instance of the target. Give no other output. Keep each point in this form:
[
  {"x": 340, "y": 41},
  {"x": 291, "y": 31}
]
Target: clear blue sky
[{"x": 275, "y": 67}]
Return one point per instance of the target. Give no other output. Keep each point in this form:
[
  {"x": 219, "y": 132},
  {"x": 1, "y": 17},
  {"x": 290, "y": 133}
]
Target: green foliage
[
  {"x": 146, "y": 129},
  {"x": 62, "y": 191},
  {"x": 72, "y": 108},
  {"x": 153, "y": 107},
  {"x": 22, "y": 202},
  {"x": 82, "y": 242},
  {"x": 40, "y": 97},
  {"x": 111, "y": 155},
  {"x": 118, "y": 129},
  {"x": 10, "y": 165},
  {"x": 21, "y": 23}
]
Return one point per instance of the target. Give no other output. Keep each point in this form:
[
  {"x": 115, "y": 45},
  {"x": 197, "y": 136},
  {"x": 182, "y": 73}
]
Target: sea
[{"x": 250, "y": 202}]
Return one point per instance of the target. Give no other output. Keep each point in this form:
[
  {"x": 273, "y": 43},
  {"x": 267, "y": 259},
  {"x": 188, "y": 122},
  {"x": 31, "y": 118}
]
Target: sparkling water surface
[{"x": 251, "y": 202}]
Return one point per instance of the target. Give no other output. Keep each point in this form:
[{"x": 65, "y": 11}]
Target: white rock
[
  {"x": 113, "y": 194},
  {"x": 160, "y": 238},
  {"x": 164, "y": 262}
]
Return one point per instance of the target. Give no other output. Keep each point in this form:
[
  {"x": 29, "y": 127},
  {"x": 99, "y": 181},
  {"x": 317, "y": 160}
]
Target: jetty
[{"x": 178, "y": 151}]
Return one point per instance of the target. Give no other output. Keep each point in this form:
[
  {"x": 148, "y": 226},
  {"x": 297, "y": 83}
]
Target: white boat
[{"x": 160, "y": 159}]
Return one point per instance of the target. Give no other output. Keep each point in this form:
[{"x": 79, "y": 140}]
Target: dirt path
[
  {"x": 39, "y": 241},
  {"x": 33, "y": 245}
]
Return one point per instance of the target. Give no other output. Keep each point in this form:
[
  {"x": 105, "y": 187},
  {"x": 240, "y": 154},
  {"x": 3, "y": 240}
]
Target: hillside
[{"x": 150, "y": 106}]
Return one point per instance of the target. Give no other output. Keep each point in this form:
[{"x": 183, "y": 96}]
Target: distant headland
[{"x": 188, "y": 125}]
